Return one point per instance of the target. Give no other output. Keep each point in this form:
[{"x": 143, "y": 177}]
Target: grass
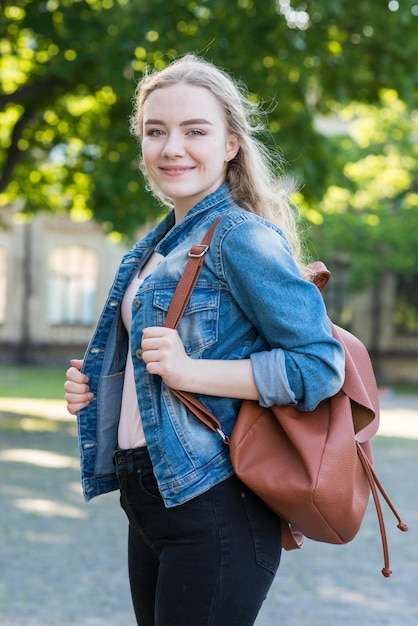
[
  {"x": 409, "y": 389},
  {"x": 31, "y": 382},
  {"x": 32, "y": 400}
]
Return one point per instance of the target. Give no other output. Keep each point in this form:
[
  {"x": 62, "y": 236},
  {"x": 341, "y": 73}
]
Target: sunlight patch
[
  {"x": 398, "y": 422},
  {"x": 36, "y": 407},
  {"x": 354, "y": 597},
  {"x": 49, "y": 508},
  {"x": 41, "y": 458}
]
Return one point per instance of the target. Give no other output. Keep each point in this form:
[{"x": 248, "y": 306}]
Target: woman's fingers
[
  {"x": 74, "y": 375},
  {"x": 77, "y": 390},
  {"x": 75, "y": 407},
  {"x": 77, "y": 363},
  {"x": 164, "y": 354}
]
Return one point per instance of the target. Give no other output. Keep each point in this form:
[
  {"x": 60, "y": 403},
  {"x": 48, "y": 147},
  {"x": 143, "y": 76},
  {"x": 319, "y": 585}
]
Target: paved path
[{"x": 62, "y": 562}]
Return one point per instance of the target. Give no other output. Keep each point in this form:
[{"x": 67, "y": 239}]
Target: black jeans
[{"x": 208, "y": 562}]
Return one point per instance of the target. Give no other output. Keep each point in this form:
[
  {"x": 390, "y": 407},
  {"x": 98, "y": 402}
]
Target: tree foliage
[
  {"x": 68, "y": 70},
  {"x": 371, "y": 203}
]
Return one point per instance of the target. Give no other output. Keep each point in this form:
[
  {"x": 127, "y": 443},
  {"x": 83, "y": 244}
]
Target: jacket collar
[{"x": 175, "y": 234}]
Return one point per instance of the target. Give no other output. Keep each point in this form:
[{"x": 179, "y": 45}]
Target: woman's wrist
[{"x": 229, "y": 379}]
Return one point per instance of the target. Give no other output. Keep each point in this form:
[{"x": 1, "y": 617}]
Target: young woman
[{"x": 203, "y": 550}]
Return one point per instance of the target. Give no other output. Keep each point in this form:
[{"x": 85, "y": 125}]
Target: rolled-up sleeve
[
  {"x": 271, "y": 378},
  {"x": 304, "y": 363}
]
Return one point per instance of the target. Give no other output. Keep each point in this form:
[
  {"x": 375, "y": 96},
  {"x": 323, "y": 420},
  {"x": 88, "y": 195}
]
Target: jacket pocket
[{"x": 199, "y": 326}]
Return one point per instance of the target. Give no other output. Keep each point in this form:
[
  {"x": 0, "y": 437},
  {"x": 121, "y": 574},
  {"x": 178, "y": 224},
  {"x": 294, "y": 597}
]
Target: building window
[
  {"x": 72, "y": 286},
  {"x": 406, "y": 305},
  {"x": 3, "y": 284}
]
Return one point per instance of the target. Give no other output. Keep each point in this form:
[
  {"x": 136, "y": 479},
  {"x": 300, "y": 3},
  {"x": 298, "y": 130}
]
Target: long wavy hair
[{"x": 252, "y": 174}]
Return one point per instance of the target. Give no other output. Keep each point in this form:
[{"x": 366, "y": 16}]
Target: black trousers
[{"x": 207, "y": 562}]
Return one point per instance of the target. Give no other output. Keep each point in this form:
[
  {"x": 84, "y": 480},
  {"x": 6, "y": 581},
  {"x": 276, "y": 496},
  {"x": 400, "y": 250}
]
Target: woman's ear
[{"x": 232, "y": 147}]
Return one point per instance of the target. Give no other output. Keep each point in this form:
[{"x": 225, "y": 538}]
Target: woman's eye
[
  {"x": 196, "y": 133},
  {"x": 155, "y": 132}
]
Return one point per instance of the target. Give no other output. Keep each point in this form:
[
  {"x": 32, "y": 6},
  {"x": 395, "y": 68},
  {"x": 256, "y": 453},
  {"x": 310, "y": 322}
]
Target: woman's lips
[{"x": 177, "y": 170}]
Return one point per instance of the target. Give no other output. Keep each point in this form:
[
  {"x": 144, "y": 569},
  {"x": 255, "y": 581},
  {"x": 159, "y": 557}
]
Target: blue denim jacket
[{"x": 249, "y": 298}]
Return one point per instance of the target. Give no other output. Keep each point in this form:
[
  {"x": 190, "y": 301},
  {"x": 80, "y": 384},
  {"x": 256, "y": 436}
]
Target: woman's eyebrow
[
  {"x": 185, "y": 123},
  {"x": 200, "y": 120}
]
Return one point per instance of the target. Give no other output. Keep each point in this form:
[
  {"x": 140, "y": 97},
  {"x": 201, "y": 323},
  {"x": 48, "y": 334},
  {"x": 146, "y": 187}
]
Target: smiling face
[{"x": 185, "y": 144}]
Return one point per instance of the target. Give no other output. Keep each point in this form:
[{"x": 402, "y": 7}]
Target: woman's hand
[
  {"x": 78, "y": 394},
  {"x": 164, "y": 354}
]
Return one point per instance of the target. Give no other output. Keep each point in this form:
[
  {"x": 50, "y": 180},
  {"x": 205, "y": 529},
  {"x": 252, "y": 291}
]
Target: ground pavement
[{"x": 62, "y": 562}]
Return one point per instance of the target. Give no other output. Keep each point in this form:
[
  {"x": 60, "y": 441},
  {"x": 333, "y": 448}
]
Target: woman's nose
[{"x": 174, "y": 146}]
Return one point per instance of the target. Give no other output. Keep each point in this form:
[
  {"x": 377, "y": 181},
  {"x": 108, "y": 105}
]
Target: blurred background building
[{"x": 54, "y": 277}]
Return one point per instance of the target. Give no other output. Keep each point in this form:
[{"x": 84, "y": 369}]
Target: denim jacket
[{"x": 249, "y": 302}]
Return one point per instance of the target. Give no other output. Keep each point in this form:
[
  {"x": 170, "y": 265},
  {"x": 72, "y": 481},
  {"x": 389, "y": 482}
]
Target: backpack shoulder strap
[{"x": 189, "y": 278}]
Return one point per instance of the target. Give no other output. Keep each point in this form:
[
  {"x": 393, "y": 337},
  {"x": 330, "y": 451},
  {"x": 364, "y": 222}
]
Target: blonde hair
[{"x": 251, "y": 174}]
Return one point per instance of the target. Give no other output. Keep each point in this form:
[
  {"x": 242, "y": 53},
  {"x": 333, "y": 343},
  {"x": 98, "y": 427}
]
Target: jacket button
[
  {"x": 137, "y": 303},
  {"x": 138, "y": 353}
]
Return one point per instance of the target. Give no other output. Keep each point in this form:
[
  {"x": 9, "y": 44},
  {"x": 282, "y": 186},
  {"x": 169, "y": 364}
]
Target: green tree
[
  {"x": 370, "y": 208},
  {"x": 68, "y": 70}
]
